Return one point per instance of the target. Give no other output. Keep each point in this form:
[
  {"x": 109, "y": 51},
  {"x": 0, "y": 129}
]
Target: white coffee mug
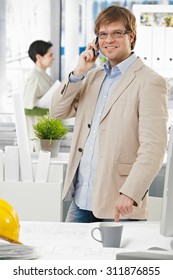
[{"x": 111, "y": 233}]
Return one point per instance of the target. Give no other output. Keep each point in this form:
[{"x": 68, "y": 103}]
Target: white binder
[
  {"x": 143, "y": 46},
  {"x": 158, "y": 48},
  {"x": 169, "y": 49}
]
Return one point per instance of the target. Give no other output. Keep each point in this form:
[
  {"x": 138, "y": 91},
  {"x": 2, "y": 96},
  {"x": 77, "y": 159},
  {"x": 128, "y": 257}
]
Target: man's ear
[{"x": 132, "y": 36}]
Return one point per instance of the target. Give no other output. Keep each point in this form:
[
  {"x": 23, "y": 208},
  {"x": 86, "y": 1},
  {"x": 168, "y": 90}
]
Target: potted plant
[{"x": 50, "y": 131}]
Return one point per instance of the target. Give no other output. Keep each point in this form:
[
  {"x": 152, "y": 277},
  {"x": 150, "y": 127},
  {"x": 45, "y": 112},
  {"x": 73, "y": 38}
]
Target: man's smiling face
[{"x": 115, "y": 49}]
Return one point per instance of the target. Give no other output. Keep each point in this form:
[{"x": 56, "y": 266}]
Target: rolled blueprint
[
  {"x": 11, "y": 164},
  {"x": 1, "y": 166},
  {"x": 43, "y": 167},
  {"x": 22, "y": 138}
]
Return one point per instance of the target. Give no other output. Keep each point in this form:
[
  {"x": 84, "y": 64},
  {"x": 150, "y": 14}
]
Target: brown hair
[{"x": 116, "y": 13}]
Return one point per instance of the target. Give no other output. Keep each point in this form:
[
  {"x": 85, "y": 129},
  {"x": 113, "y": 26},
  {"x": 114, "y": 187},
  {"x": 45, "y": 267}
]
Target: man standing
[{"x": 120, "y": 132}]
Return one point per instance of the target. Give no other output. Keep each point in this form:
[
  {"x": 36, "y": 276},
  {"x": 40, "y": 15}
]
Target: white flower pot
[{"x": 52, "y": 146}]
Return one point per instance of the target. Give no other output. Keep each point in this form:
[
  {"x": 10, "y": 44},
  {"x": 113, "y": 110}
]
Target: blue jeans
[{"x": 77, "y": 215}]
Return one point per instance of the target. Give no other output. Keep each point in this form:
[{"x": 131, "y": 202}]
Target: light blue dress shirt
[{"x": 87, "y": 168}]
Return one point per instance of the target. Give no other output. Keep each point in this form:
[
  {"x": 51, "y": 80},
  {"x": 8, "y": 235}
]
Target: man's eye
[{"x": 117, "y": 33}]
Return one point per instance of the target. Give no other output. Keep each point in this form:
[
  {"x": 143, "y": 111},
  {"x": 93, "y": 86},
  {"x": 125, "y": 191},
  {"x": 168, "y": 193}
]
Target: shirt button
[
  {"x": 89, "y": 125},
  {"x": 80, "y": 150}
]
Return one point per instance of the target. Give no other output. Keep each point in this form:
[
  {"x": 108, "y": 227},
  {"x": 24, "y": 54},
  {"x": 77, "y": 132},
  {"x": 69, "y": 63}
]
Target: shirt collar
[{"x": 122, "y": 67}]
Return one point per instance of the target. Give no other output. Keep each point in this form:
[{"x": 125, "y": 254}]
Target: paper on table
[
  {"x": 62, "y": 241},
  {"x": 22, "y": 138},
  {"x": 11, "y": 163},
  {"x": 43, "y": 167},
  {"x": 17, "y": 252},
  {"x": 45, "y": 101},
  {"x": 73, "y": 240}
]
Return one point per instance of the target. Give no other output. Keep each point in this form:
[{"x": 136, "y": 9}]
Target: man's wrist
[
  {"x": 76, "y": 72},
  {"x": 78, "y": 75},
  {"x": 74, "y": 78}
]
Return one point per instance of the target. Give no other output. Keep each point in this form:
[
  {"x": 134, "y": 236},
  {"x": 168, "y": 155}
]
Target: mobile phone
[{"x": 97, "y": 45}]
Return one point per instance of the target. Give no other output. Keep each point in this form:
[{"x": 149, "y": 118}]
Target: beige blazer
[{"x": 132, "y": 135}]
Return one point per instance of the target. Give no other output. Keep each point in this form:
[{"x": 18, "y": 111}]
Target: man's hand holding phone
[
  {"x": 87, "y": 58},
  {"x": 96, "y": 51}
]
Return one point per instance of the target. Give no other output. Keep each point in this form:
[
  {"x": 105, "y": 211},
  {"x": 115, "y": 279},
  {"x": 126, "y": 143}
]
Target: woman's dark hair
[{"x": 38, "y": 47}]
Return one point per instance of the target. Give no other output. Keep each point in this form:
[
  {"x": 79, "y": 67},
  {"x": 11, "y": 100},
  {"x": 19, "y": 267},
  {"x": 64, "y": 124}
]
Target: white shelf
[
  {"x": 154, "y": 38},
  {"x": 61, "y": 159}
]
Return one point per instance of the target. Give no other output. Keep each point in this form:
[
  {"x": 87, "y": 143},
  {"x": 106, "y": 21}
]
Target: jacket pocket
[{"x": 124, "y": 168}]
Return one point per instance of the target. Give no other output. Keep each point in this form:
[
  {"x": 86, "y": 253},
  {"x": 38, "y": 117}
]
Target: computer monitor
[{"x": 166, "y": 225}]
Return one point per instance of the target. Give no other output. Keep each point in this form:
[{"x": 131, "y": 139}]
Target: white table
[{"x": 70, "y": 241}]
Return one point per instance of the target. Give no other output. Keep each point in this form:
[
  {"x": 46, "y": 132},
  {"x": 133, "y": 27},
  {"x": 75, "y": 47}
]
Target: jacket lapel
[
  {"x": 124, "y": 83},
  {"x": 95, "y": 93}
]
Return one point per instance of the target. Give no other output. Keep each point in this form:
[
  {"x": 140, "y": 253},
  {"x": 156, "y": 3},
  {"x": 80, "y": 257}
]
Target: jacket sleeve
[{"x": 65, "y": 100}]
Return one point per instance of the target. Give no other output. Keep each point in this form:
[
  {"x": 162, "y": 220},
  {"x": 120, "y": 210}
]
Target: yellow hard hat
[{"x": 9, "y": 223}]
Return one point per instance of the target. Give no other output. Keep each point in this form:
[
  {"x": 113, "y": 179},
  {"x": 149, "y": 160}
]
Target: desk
[{"x": 62, "y": 241}]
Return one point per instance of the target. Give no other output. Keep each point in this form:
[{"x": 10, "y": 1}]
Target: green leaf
[{"x": 50, "y": 128}]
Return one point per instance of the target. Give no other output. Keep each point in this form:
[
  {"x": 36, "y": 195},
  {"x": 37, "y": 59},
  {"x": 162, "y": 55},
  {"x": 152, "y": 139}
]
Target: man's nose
[{"x": 109, "y": 37}]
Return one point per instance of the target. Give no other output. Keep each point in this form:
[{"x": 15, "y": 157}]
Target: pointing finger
[{"x": 117, "y": 215}]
